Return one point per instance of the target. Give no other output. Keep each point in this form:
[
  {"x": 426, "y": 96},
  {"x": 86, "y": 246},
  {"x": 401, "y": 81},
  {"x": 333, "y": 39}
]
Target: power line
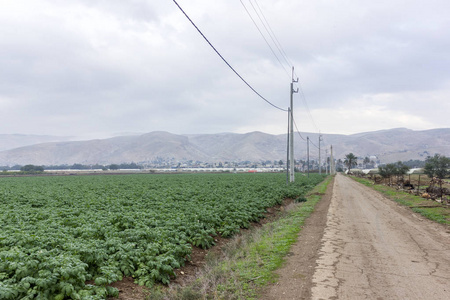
[
  {"x": 272, "y": 34},
  {"x": 305, "y": 103},
  {"x": 225, "y": 61},
  {"x": 298, "y": 131},
  {"x": 276, "y": 42},
  {"x": 313, "y": 144},
  {"x": 280, "y": 49},
  {"x": 268, "y": 44}
]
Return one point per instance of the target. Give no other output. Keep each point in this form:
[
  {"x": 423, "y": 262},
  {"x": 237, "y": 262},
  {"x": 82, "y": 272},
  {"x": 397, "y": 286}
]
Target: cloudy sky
[{"x": 95, "y": 68}]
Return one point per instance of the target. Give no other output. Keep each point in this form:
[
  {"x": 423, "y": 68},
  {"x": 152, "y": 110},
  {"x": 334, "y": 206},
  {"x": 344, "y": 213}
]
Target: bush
[
  {"x": 32, "y": 169},
  {"x": 437, "y": 166},
  {"x": 398, "y": 169}
]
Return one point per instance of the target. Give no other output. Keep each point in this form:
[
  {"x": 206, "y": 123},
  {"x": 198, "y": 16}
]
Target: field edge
[{"x": 249, "y": 261}]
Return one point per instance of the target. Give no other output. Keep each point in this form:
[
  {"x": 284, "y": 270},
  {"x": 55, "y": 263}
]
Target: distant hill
[
  {"x": 394, "y": 144},
  {"x": 388, "y": 145},
  {"x": 11, "y": 141}
]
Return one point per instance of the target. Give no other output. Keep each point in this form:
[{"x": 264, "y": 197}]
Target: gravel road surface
[{"x": 371, "y": 248}]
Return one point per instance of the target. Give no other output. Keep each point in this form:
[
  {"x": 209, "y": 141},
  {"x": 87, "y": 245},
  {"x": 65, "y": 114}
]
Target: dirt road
[{"x": 370, "y": 249}]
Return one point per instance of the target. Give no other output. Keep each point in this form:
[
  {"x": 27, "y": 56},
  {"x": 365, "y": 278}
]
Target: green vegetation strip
[
  {"x": 70, "y": 237},
  {"x": 428, "y": 208},
  {"x": 250, "y": 259}
]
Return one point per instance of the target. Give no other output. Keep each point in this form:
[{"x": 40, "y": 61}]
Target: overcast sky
[{"x": 95, "y": 68}]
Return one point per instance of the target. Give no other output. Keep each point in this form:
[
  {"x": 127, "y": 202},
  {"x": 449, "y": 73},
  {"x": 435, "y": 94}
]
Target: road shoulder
[{"x": 295, "y": 277}]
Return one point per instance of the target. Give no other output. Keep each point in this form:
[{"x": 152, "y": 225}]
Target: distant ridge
[
  {"x": 11, "y": 141},
  {"x": 388, "y": 145}
]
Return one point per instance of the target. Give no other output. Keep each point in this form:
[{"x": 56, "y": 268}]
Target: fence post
[{"x": 418, "y": 186}]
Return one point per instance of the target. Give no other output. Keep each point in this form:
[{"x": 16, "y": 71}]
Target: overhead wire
[
  {"x": 267, "y": 42},
  {"x": 283, "y": 53},
  {"x": 276, "y": 42},
  {"x": 298, "y": 131},
  {"x": 305, "y": 103},
  {"x": 280, "y": 49},
  {"x": 271, "y": 33},
  {"x": 313, "y": 143},
  {"x": 259, "y": 12},
  {"x": 225, "y": 61}
]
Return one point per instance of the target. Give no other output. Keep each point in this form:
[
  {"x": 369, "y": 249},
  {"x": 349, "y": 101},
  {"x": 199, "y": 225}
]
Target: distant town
[{"x": 162, "y": 165}]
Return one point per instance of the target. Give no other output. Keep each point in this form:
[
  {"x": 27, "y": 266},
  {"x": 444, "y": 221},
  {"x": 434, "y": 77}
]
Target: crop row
[{"x": 70, "y": 237}]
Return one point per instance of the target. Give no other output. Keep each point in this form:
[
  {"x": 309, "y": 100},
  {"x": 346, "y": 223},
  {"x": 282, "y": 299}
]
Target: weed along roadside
[
  {"x": 429, "y": 209},
  {"x": 248, "y": 262}
]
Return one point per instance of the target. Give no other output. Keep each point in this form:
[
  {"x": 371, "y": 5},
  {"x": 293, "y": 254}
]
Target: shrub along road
[{"x": 371, "y": 248}]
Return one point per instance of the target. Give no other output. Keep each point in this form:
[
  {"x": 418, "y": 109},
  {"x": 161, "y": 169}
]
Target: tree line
[{"x": 435, "y": 166}]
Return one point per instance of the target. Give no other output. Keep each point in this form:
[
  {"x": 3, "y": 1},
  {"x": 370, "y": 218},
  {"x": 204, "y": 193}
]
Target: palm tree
[{"x": 350, "y": 161}]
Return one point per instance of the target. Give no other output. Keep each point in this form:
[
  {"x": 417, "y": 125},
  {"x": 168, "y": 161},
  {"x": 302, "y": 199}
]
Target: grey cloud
[{"x": 140, "y": 65}]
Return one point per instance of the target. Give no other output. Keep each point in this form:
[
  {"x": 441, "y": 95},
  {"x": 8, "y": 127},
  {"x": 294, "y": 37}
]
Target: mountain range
[{"x": 387, "y": 145}]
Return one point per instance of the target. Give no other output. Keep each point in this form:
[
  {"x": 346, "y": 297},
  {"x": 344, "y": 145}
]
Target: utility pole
[
  {"x": 288, "y": 146},
  {"x": 320, "y": 167},
  {"x": 326, "y": 161},
  {"x": 307, "y": 147},
  {"x": 332, "y": 171},
  {"x": 291, "y": 138}
]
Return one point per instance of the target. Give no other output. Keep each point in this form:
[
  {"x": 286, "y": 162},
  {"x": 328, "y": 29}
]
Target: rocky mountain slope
[{"x": 388, "y": 145}]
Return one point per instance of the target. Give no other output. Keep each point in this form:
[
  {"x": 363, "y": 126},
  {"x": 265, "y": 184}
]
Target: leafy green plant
[{"x": 70, "y": 237}]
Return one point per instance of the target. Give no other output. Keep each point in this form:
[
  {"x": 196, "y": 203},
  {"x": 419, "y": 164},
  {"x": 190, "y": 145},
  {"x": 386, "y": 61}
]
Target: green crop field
[{"x": 70, "y": 237}]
